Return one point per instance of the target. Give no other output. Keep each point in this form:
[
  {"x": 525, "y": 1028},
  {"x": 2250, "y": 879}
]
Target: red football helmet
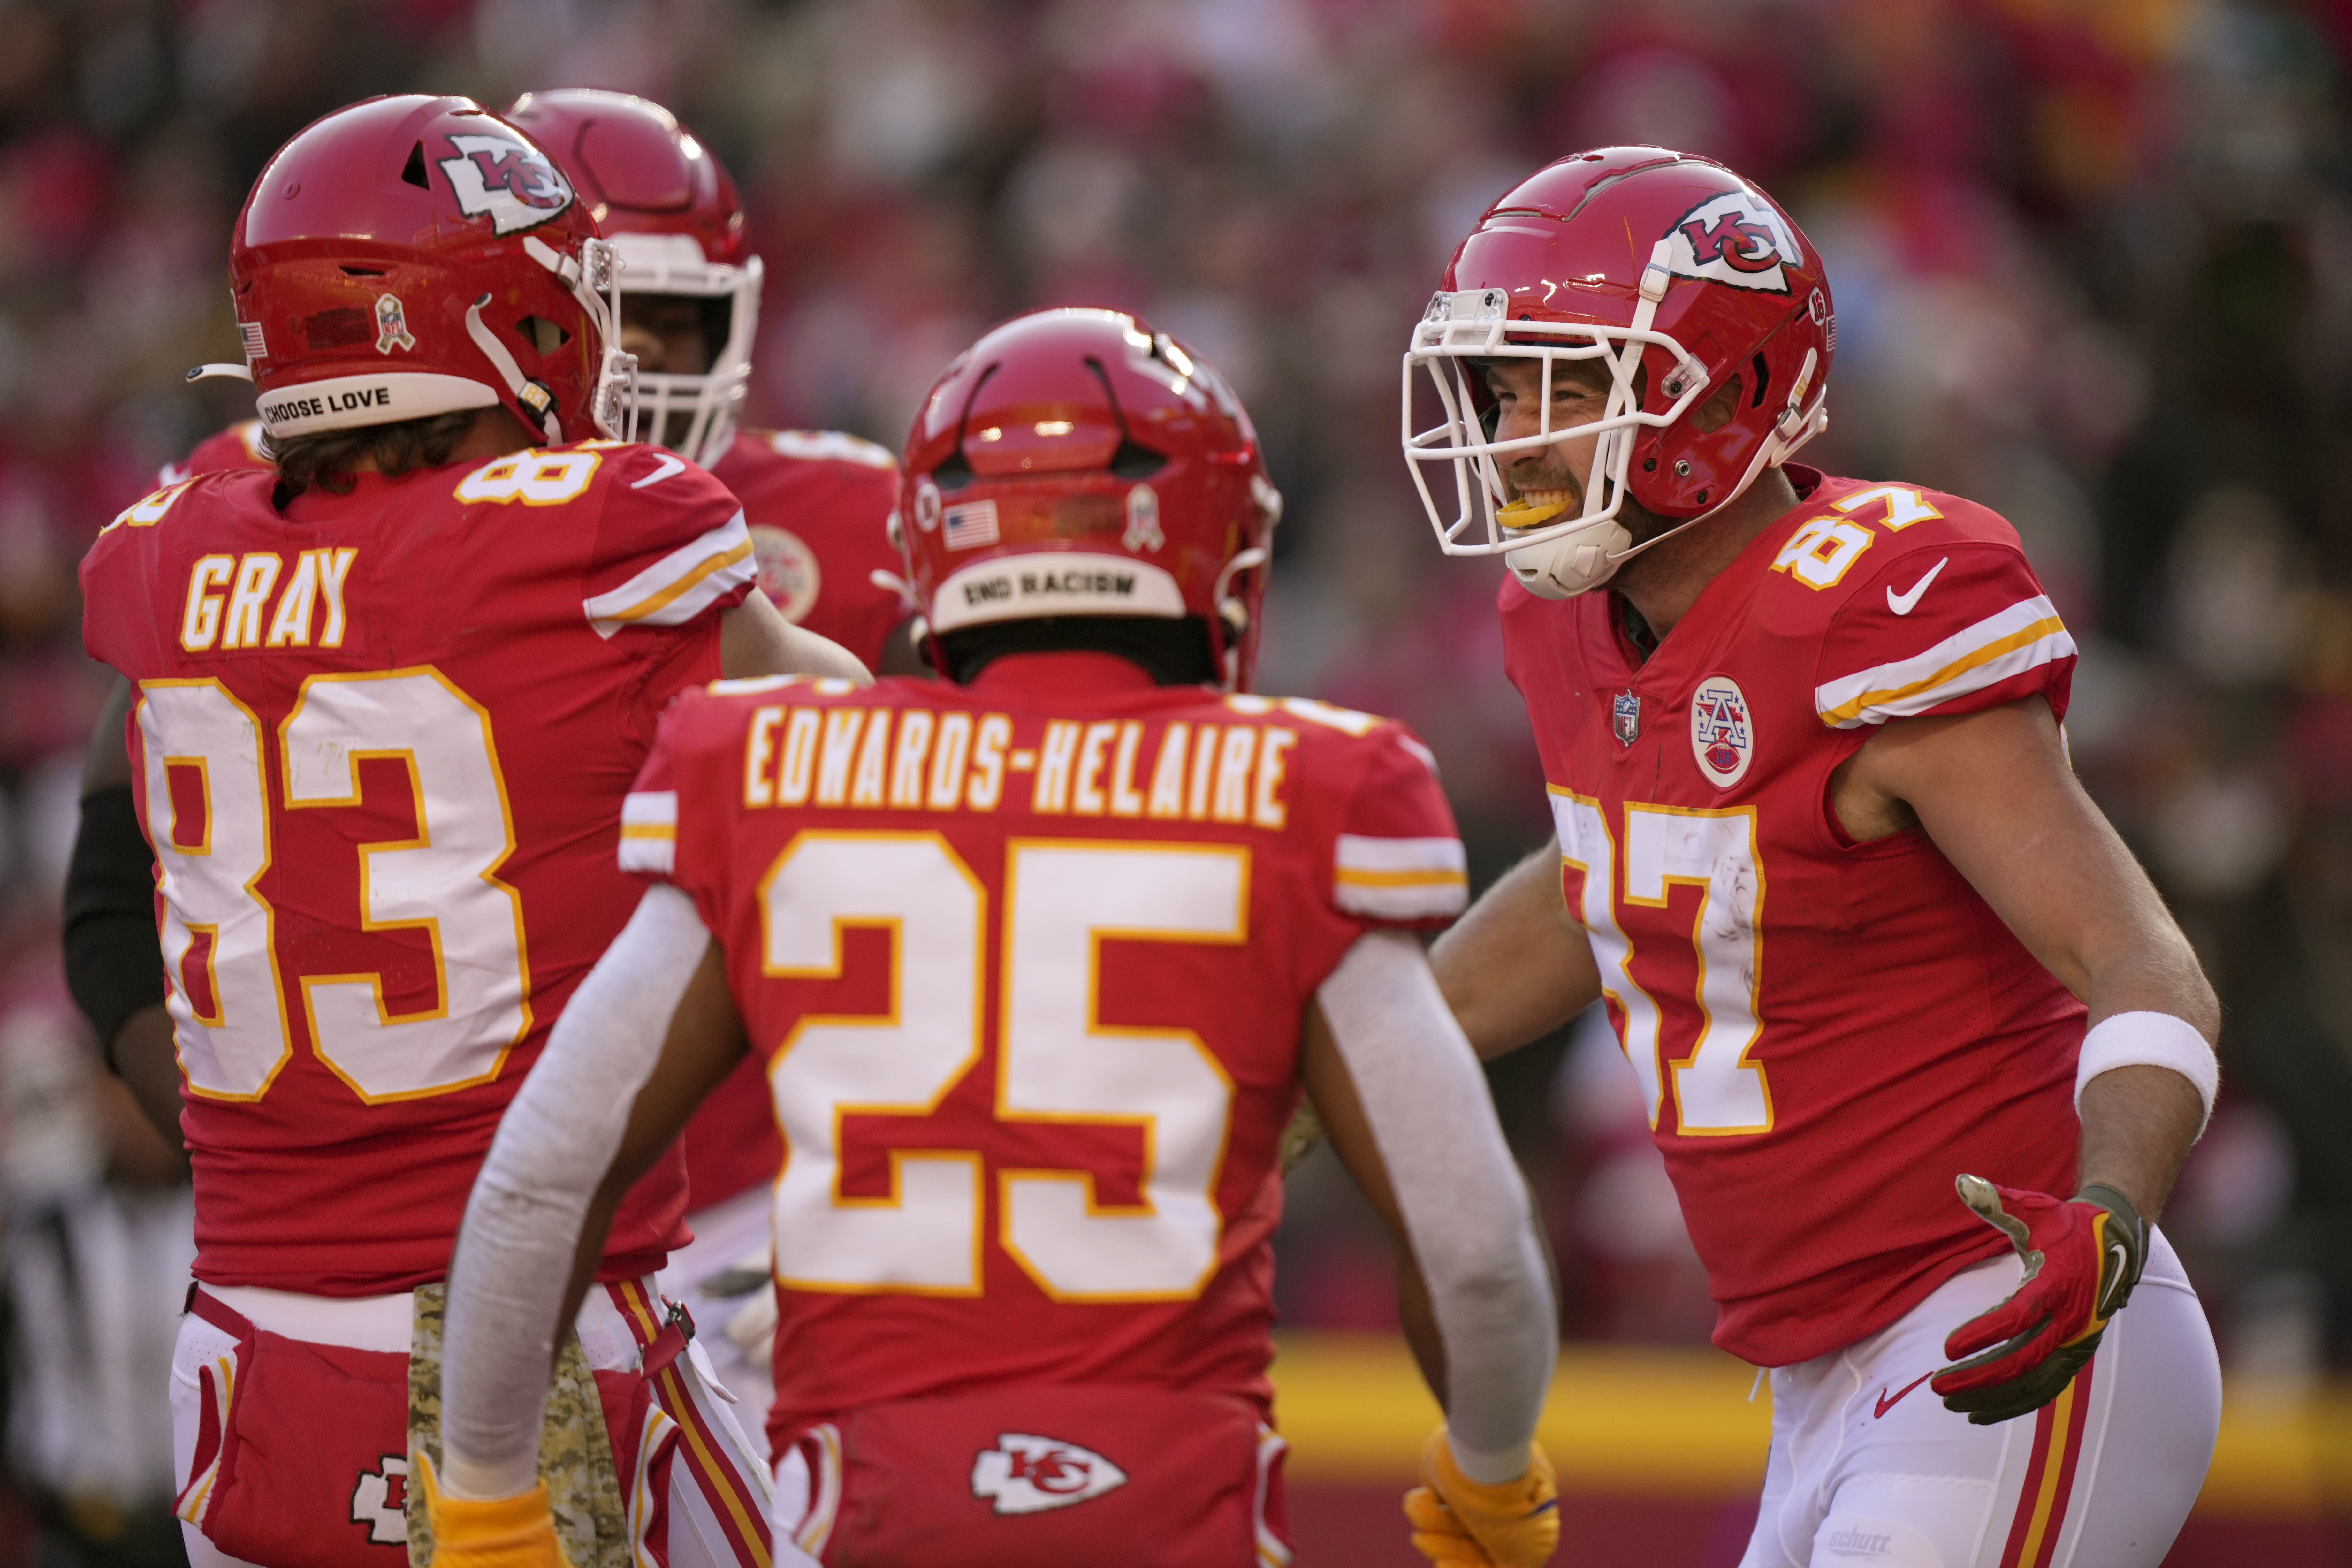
[
  {"x": 410, "y": 256},
  {"x": 669, "y": 212},
  {"x": 1074, "y": 462},
  {"x": 1674, "y": 274}
]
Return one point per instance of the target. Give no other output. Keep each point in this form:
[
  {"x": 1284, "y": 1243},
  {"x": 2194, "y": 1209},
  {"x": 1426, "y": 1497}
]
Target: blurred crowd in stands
[{"x": 2088, "y": 259}]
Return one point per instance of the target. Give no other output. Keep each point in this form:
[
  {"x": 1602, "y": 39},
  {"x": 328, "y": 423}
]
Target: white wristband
[{"x": 2149, "y": 1040}]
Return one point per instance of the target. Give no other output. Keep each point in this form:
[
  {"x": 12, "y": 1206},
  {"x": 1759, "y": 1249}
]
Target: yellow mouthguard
[{"x": 1529, "y": 513}]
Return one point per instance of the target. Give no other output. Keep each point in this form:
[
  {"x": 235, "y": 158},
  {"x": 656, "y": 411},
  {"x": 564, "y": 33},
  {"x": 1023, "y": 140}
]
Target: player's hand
[
  {"x": 1299, "y": 1139},
  {"x": 1457, "y": 1521},
  {"x": 2082, "y": 1256},
  {"x": 494, "y": 1532}
]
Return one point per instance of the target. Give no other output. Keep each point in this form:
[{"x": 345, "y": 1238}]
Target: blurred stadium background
[{"x": 2090, "y": 261}]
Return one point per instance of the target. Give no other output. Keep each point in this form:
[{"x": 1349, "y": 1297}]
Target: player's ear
[{"x": 1716, "y": 411}]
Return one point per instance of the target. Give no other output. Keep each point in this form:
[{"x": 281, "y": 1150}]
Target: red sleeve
[
  {"x": 670, "y": 548},
  {"x": 1950, "y": 626},
  {"x": 1398, "y": 859},
  {"x": 649, "y": 810}
]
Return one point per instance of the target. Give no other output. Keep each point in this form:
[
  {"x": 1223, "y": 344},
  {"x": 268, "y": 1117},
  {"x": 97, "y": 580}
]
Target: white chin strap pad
[{"x": 1575, "y": 562}]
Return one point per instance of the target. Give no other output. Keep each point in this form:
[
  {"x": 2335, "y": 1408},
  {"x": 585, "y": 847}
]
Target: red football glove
[{"x": 2082, "y": 1256}]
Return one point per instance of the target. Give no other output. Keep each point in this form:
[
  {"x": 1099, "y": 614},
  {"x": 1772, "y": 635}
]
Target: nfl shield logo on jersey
[
  {"x": 1722, "y": 737},
  {"x": 1625, "y": 716},
  {"x": 1027, "y": 1474}
]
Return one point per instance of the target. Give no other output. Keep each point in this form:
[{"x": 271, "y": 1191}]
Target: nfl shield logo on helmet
[
  {"x": 1625, "y": 716},
  {"x": 391, "y": 325},
  {"x": 1736, "y": 237},
  {"x": 1143, "y": 521},
  {"x": 1027, "y": 1474},
  {"x": 1723, "y": 737}
]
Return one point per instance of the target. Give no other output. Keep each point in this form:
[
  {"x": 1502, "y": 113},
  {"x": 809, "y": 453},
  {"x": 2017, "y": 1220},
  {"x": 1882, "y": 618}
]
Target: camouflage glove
[
  {"x": 1457, "y": 1521},
  {"x": 496, "y": 1532},
  {"x": 2082, "y": 1256}
]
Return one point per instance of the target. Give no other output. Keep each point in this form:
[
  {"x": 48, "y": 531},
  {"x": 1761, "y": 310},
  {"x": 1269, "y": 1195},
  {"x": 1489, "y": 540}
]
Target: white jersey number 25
[{"x": 1058, "y": 1063}]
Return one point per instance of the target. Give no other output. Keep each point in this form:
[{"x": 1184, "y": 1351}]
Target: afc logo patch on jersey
[
  {"x": 1737, "y": 238},
  {"x": 515, "y": 185},
  {"x": 788, "y": 570},
  {"x": 1027, "y": 1474},
  {"x": 1723, "y": 738}
]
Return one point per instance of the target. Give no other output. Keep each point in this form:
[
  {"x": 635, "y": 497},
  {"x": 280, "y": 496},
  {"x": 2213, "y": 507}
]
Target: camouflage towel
[{"x": 575, "y": 1452}]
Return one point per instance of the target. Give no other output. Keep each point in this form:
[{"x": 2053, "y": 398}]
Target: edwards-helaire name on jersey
[{"x": 889, "y": 757}]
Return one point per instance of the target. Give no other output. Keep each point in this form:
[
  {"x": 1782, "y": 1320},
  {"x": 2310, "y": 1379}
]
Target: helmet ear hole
[
  {"x": 1763, "y": 379},
  {"x": 544, "y": 335}
]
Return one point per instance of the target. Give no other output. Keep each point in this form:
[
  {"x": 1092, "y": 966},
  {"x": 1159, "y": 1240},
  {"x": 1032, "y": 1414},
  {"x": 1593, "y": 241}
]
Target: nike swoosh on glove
[
  {"x": 2082, "y": 1256},
  {"x": 490, "y": 1532},
  {"x": 1457, "y": 1521}
]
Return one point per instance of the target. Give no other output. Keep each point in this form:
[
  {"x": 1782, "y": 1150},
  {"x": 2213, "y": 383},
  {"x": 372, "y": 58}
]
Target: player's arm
[
  {"x": 1407, "y": 1111},
  {"x": 114, "y": 961},
  {"x": 650, "y": 1032},
  {"x": 754, "y": 639},
  {"x": 1994, "y": 791},
  {"x": 1517, "y": 965}
]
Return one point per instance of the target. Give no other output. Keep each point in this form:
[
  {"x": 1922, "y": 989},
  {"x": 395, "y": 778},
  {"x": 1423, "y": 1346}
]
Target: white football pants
[
  {"x": 1867, "y": 1469},
  {"x": 384, "y": 1323},
  {"x": 736, "y": 1331}
]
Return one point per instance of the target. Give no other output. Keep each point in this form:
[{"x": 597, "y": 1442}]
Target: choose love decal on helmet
[
  {"x": 668, "y": 210},
  {"x": 1075, "y": 462},
  {"x": 1670, "y": 275},
  {"x": 411, "y": 256}
]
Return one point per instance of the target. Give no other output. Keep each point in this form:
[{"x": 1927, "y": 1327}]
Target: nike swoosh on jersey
[
  {"x": 1886, "y": 1405},
  {"x": 670, "y": 465},
  {"x": 1901, "y": 603}
]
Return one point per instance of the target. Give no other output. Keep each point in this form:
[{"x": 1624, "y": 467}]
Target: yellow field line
[{"x": 1644, "y": 1421}]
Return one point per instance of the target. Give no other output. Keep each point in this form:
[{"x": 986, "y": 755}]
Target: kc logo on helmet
[
  {"x": 514, "y": 183},
  {"x": 1027, "y": 1474},
  {"x": 1737, "y": 239}
]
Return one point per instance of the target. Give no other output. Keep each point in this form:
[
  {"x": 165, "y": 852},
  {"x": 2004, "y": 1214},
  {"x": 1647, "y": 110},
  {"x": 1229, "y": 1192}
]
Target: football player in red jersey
[
  {"x": 1820, "y": 854},
  {"x": 385, "y": 717},
  {"x": 817, "y": 502},
  {"x": 1035, "y": 961}
]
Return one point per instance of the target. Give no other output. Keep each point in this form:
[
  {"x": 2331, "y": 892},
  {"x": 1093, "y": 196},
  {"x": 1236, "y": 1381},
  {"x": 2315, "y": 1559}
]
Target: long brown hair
[{"x": 325, "y": 459}]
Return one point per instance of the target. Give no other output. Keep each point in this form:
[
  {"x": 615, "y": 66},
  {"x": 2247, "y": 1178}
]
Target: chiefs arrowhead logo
[
  {"x": 514, "y": 183},
  {"x": 1027, "y": 1474},
  {"x": 1737, "y": 238}
]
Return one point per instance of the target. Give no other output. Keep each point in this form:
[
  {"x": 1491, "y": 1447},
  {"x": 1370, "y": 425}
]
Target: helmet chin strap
[{"x": 1583, "y": 558}]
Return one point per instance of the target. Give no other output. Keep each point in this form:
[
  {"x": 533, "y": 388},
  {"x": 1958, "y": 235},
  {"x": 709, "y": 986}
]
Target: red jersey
[
  {"x": 1026, "y": 961},
  {"x": 384, "y": 739},
  {"x": 1827, "y": 1033},
  {"x": 819, "y": 503},
  {"x": 237, "y": 447}
]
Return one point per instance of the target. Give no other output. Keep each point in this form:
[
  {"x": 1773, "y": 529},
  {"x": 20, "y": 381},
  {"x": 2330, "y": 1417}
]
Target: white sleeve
[
  {"x": 522, "y": 1224},
  {"x": 1466, "y": 1211}
]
